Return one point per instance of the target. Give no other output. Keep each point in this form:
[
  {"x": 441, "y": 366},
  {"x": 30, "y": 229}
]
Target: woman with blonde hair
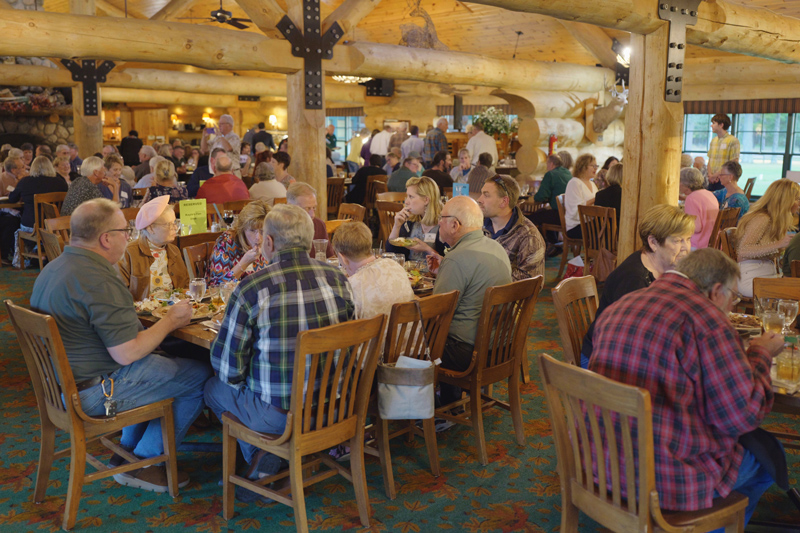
[
  {"x": 62, "y": 167},
  {"x": 761, "y": 233},
  {"x": 166, "y": 183},
  {"x": 418, "y": 220},
  {"x": 237, "y": 251},
  {"x": 580, "y": 191}
]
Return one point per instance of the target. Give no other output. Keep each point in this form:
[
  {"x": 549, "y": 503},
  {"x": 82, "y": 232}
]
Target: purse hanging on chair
[{"x": 405, "y": 388}]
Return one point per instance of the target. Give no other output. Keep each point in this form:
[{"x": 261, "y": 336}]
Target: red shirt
[
  {"x": 223, "y": 188},
  {"x": 705, "y": 390}
]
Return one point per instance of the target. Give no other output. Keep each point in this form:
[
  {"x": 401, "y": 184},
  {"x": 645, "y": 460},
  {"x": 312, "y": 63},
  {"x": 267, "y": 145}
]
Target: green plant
[{"x": 494, "y": 121}]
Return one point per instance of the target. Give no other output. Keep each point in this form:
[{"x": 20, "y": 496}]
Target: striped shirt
[{"x": 255, "y": 346}]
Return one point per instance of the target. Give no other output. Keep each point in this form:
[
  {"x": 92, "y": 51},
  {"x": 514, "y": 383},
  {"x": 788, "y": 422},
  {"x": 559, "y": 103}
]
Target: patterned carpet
[{"x": 518, "y": 490}]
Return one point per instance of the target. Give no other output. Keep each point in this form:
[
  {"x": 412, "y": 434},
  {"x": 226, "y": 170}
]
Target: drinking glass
[
  {"x": 772, "y": 321},
  {"x": 134, "y": 231},
  {"x": 227, "y": 216},
  {"x": 783, "y": 362},
  {"x": 320, "y": 248},
  {"x": 377, "y": 252},
  {"x": 197, "y": 289},
  {"x": 225, "y": 291},
  {"x": 400, "y": 259},
  {"x": 789, "y": 309},
  {"x": 765, "y": 304}
]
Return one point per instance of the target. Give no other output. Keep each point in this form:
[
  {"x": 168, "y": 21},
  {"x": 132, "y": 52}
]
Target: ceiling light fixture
[{"x": 350, "y": 79}]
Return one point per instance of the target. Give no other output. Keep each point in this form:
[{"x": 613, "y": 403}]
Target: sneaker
[
  {"x": 340, "y": 452},
  {"x": 443, "y": 425},
  {"x": 152, "y": 478}
]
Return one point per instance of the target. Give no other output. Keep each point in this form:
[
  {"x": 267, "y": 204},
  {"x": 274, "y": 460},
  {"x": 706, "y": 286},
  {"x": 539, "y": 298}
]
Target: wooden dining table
[{"x": 195, "y": 332}]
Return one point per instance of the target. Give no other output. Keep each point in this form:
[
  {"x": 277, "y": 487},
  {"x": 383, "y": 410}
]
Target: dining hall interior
[{"x": 636, "y": 80}]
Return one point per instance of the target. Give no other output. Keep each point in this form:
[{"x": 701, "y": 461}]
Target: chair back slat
[
  {"x": 53, "y": 244},
  {"x": 748, "y": 187},
  {"x": 335, "y": 194},
  {"x": 399, "y": 197},
  {"x": 404, "y": 332},
  {"x": 372, "y": 181},
  {"x": 196, "y": 258},
  {"x": 331, "y": 369},
  {"x": 59, "y": 226},
  {"x": 786, "y": 288},
  {"x": 49, "y": 210},
  {"x": 599, "y": 229},
  {"x": 574, "y": 399},
  {"x": 725, "y": 242},
  {"x": 576, "y": 301},
  {"x": 351, "y": 212},
  {"x": 386, "y": 212},
  {"x": 54, "y": 198},
  {"x": 332, "y": 225},
  {"x": 726, "y": 218}
]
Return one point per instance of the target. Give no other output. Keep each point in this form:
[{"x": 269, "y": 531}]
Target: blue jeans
[
  {"x": 148, "y": 380},
  {"x": 584, "y": 362},
  {"x": 753, "y": 481},
  {"x": 248, "y": 407}
]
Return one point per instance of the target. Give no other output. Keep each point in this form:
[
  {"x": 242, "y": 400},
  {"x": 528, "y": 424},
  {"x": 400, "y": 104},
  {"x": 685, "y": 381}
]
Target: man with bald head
[
  {"x": 224, "y": 186},
  {"x": 473, "y": 264},
  {"x": 107, "y": 347}
]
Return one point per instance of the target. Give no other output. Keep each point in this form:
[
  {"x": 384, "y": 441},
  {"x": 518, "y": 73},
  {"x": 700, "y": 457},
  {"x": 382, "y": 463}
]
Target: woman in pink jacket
[{"x": 700, "y": 203}]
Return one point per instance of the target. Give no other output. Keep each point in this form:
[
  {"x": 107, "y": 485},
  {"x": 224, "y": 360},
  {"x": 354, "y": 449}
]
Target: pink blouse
[{"x": 704, "y": 206}]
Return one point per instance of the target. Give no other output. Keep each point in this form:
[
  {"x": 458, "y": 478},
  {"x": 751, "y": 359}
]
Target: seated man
[
  {"x": 504, "y": 222},
  {"x": 104, "y": 340},
  {"x": 86, "y": 187},
  {"x": 224, "y": 186},
  {"x": 253, "y": 354},
  {"x": 473, "y": 264},
  {"x": 304, "y": 196},
  {"x": 675, "y": 340},
  {"x": 439, "y": 172},
  {"x": 410, "y": 169}
]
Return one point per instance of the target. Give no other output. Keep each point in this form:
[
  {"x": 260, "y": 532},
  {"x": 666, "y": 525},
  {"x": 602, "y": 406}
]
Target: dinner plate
[
  {"x": 403, "y": 242},
  {"x": 745, "y": 324},
  {"x": 198, "y": 311}
]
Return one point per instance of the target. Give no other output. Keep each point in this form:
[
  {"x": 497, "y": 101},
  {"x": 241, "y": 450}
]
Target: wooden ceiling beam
[
  {"x": 173, "y": 9},
  {"x": 595, "y": 40},
  {"x": 5, "y": 5},
  {"x": 721, "y": 25},
  {"x": 265, "y": 14},
  {"x": 349, "y": 14},
  {"x": 110, "y": 9}
]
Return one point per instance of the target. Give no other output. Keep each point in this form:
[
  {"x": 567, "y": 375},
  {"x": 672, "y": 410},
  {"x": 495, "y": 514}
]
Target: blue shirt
[
  {"x": 735, "y": 200},
  {"x": 489, "y": 227}
]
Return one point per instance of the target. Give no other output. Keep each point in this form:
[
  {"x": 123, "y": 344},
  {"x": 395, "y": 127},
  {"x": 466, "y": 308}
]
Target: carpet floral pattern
[{"x": 518, "y": 491}]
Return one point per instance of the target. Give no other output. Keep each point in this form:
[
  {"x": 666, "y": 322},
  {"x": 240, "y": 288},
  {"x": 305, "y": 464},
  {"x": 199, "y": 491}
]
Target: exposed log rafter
[
  {"x": 174, "y": 9},
  {"x": 594, "y": 39},
  {"x": 265, "y": 14},
  {"x": 349, "y": 14}
]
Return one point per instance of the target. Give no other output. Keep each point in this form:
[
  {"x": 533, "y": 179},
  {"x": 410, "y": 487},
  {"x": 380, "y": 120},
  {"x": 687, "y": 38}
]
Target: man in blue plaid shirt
[{"x": 253, "y": 355}]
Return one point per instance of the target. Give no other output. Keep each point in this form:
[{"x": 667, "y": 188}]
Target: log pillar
[
  {"x": 88, "y": 129},
  {"x": 653, "y": 138},
  {"x": 307, "y": 141}
]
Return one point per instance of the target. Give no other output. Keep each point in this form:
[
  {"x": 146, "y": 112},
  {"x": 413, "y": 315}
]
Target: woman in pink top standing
[{"x": 700, "y": 203}]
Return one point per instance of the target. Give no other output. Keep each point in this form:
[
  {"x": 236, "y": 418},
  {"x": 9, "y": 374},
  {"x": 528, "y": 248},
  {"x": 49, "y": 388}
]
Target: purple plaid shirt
[{"x": 705, "y": 390}]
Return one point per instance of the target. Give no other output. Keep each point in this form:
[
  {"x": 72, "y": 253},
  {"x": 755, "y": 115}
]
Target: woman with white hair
[
  {"x": 265, "y": 186},
  {"x": 152, "y": 262},
  {"x": 700, "y": 203},
  {"x": 166, "y": 183}
]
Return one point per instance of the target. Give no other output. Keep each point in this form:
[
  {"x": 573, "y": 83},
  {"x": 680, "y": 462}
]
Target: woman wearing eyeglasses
[{"x": 152, "y": 262}]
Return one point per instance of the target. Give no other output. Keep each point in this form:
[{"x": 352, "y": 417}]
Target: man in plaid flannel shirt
[{"x": 675, "y": 340}]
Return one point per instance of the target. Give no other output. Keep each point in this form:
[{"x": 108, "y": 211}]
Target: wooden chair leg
[
  {"x": 40, "y": 252},
  {"x": 359, "y": 475},
  {"x": 298, "y": 495},
  {"x": 516, "y": 408},
  {"x": 385, "y": 456},
  {"x": 21, "y": 248},
  {"x": 77, "y": 469},
  {"x": 429, "y": 430},
  {"x": 564, "y": 256},
  {"x": 228, "y": 468},
  {"x": 476, "y": 415},
  {"x": 46, "y": 450},
  {"x": 526, "y": 371},
  {"x": 569, "y": 515},
  {"x": 168, "y": 436}
]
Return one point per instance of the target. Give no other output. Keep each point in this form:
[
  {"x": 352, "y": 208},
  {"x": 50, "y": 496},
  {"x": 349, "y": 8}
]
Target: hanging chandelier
[{"x": 350, "y": 79}]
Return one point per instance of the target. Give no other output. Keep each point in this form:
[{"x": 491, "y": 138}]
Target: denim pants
[
  {"x": 753, "y": 481},
  {"x": 148, "y": 380},
  {"x": 248, "y": 407}
]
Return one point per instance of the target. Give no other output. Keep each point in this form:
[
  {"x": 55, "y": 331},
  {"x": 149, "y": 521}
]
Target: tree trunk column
[
  {"x": 653, "y": 138},
  {"x": 88, "y": 129},
  {"x": 307, "y": 141}
]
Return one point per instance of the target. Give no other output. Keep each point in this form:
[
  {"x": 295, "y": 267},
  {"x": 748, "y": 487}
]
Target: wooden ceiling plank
[
  {"x": 349, "y": 14},
  {"x": 265, "y": 14},
  {"x": 173, "y": 9}
]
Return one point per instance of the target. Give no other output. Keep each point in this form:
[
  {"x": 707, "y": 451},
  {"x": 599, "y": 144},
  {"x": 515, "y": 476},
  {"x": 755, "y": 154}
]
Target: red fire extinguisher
[{"x": 553, "y": 146}]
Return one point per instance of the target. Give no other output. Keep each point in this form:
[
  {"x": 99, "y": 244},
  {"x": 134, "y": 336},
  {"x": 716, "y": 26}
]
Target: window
[
  {"x": 346, "y": 128},
  {"x": 696, "y": 134}
]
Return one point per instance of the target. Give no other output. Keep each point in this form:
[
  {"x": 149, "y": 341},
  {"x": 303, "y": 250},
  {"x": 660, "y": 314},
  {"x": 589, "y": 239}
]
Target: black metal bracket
[
  {"x": 679, "y": 14},
  {"x": 313, "y": 47},
  {"x": 89, "y": 73}
]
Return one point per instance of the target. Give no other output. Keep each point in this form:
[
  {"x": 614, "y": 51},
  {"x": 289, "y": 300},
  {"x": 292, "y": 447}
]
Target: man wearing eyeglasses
[
  {"x": 504, "y": 222},
  {"x": 105, "y": 341}
]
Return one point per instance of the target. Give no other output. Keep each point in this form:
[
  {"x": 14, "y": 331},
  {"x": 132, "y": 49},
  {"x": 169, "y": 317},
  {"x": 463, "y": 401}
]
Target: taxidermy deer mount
[{"x": 604, "y": 116}]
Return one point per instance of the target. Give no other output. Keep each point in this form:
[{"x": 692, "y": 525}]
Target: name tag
[
  {"x": 723, "y": 146},
  {"x": 429, "y": 238},
  {"x": 123, "y": 194}
]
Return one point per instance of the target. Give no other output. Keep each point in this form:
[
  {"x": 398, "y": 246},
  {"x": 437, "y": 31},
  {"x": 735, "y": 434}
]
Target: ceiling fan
[{"x": 224, "y": 17}]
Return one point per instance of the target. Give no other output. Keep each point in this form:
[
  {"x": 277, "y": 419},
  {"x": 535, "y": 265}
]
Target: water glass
[
  {"x": 197, "y": 289},
  {"x": 377, "y": 252},
  {"x": 772, "y": 321},
  {"x": 789, "y": 309},
  {"x": 783, "y": 364},
  {"x": 225, "y": 291},
  {"x": 765, "y": 304},
  {"x": 400, "y": 259},
  {"x": 320, "y": 248}
]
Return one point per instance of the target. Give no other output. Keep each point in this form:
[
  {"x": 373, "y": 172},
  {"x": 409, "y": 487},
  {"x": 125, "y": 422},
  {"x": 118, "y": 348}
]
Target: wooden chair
[
  {"x": 212, "y": 216},
  {"x": 352, "y": 211},
  {"x": 386, "y": 212},
  {"x": 369, "y": 198},
  {"x": 399, "y": 197},
  {"x": 138, "y": 195},
  {"x": 530, "y": 206},
  {"x": 725, "y": 242},
  {"x": 726, "y": 218},
  {"x": 499, "y": 347},
  {"x": 59, "y": 226},
  {"x": 567, "y": 243},
  {"x": 332, "y": 225},
  {"x": 55, "y": 198},
  {"x": 236, "y": 206},
  {"x": 335, "y": 195},
  {"x": 795, "y": 269},
  {"x": 784, "y": 288},
  {"x": 49, "y": 210},
  {"x": 748, "y": 187},
  {"x": 278, "y": 201},
  {"x": 334, "y": 412},
  {"x": 196, "y": 238},
  {"x": 53, "y": 244},
  {"x": 378, "y": 187},
  {"x": 131, "y": 212},
  {"x": 404, "y": 337},
  {"x": 598, "y": 230},
  {"x": 196, "y": 258},
  {"x": 574, "y": 399},
  {"x": 576, "y": 301},
  {"x": 60, "y": 408}
]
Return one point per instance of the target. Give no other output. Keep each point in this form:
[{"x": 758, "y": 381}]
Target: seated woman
[
  {"x": 482, "y": 171},
  {"x": 611, "y": 196},
  {"x": 62, "y": 167},
  {"x": 701, "y": 204},
  {"x": 761, "y": 234},
  {"x": 580, "y": 191},
  {"x": 378, "y": 283},
  {"x": 166, "y": 183},
  {"x": 665, "y": 231},
  {"x": 237, "y": 251},
  {"x": 265, "y": 186},
  {"x": 459, "y": 173},
  {"x": 418, "y": 220},
  {"x": 152, "y": 262},
  {"x": 732, "y": 195},
  {"x": 601, "y": 179}
]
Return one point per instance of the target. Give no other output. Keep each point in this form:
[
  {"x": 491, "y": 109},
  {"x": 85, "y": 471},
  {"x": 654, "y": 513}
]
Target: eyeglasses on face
[
  {"x": 177, "y": 224},
  {"x": 128, "y": 232},
  {"x": 449, "y": 216}
]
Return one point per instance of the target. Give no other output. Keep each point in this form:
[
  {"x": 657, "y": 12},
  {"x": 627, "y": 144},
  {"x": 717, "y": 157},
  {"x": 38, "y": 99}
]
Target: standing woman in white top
[{"x": 580, "y": 191}]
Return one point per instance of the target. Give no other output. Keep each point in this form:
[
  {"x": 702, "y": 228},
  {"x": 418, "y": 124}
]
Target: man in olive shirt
[
  {"x": 104, "y": 339},
  {"x": 473, "y": 264},
  {"x": 554, "y": 184}
]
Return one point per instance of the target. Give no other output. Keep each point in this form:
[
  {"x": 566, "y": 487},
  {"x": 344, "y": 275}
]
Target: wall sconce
[
  {"x": 206, "y": 117},
  {"x": 273, "y": 121}
]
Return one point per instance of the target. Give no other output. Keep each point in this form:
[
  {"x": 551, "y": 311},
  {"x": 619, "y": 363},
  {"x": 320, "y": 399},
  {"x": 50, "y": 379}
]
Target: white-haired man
[
  {"x": 304, "y": 196},
  {"x": 435, "y": 141},
  {"x": 146, "y": 153},
  {"x": 106, "y": 345},
  {"x": 481, "y": 143},
  {"x": 253, "y": 354},
  {"x": 473, "y": 264},
  {"x": 85, "y": 187}
]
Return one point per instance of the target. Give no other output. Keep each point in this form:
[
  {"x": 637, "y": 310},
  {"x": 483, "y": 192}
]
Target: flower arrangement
[{"x": 495, "y": 121}]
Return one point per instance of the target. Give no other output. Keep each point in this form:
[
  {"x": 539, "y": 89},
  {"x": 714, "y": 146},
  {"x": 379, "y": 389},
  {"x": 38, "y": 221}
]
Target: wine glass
[
  {"x": 227, "y": 216},
  {"x": 789, "y": 308},
  {"x": 197, "y": 289}
]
